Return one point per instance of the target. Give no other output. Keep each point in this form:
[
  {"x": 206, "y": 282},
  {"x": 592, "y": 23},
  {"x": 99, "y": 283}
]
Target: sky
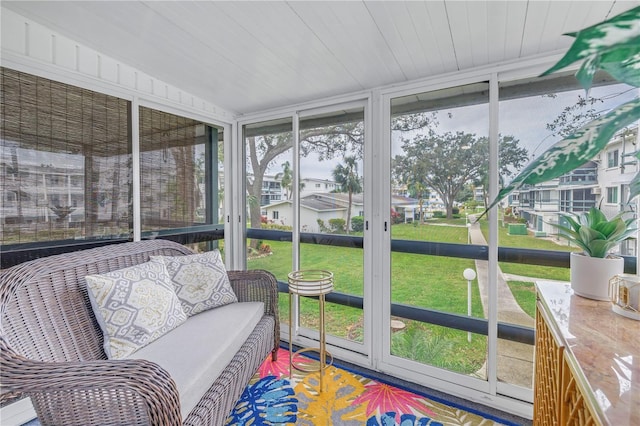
[{"x": 524, "y": 118}]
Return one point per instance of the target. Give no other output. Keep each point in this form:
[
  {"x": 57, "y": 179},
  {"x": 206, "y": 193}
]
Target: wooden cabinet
[
  {"x": 574, "y": 406},
  {"x": 558, "y": 400},
  {"x": 548, "y": 373},
  {"x": 581, "y": 345}
]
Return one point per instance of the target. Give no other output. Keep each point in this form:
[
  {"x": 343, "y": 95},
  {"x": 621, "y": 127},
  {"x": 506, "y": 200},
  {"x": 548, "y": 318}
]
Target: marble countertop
[{"x": 605, "y": 346}]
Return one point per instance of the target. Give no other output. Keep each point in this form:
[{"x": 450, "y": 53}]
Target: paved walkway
[{"x": 515, "y": 360}]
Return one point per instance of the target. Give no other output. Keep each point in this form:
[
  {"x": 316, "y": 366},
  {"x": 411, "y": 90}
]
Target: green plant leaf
[
  {"x": 595, "y": 217},
  {"x": 623, "y": 64},
  {"x": 589, "y": 234},
  {"x": 573, "y": 223},
  {"x": 574, "y": 150},
  {"x": 608, "y": 228},
  {"x": 623, "y": 230},
  {"x": 634, "y": 187},
  {"x": 572, "y": 237},
  {"x": 606, "y": 42},
  {"x": 600, "y": 248}
]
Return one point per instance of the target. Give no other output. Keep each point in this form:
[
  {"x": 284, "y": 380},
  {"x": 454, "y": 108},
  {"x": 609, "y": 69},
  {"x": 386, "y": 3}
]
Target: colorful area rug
[{"x": 348, "y": 398}]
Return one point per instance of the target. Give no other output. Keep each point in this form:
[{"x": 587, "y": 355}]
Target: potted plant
[{"x": 596, "y": 236}]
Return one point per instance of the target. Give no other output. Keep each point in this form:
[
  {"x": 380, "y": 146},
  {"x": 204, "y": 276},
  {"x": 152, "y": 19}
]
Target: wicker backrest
[{"x": 45, "y": 313}]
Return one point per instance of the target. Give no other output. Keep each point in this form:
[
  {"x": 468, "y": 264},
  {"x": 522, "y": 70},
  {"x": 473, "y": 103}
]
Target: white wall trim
[{"x": 42, "y": 52}]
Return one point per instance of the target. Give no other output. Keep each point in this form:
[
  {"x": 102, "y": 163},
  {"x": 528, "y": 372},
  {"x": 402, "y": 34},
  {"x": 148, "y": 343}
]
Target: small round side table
[{"x": 316, "y": 283}]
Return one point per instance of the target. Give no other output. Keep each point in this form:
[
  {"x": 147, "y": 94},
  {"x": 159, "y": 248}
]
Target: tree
[
  {"x": 447, "y": 162},
  {"x": 261, "y": 151},
  {"x": 420, "y": 191},
  {"x": 347, "y": 177},
  {"x": 512, "y": 157},
  {"x": 286, "y": 179},
  {"x": 336, "y": 140}
]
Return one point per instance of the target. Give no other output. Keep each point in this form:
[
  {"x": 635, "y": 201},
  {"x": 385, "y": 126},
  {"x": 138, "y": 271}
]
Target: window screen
[
  {"x": 65, "y": 162},
  {"x": 180, "y": 172}
]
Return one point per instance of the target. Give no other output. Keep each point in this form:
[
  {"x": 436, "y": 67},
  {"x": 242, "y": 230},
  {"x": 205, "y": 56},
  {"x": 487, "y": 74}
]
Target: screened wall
[{"x": 67, "y": 169}]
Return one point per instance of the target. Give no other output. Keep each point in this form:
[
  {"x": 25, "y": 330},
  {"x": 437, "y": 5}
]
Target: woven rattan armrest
[
  {"x": 94, "y": 392},
  {"x": 259, "y": 286}
]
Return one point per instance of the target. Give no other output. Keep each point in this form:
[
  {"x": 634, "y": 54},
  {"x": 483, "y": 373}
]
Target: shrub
[
  {"x": 277, "y": 226},
  {"x": 396, "y": 217},
  {"x": 337, "y": 225},
  {"x": 322, "y": 226},
  {"x": 455, "y": 210},
  {"x": 438, "y": 214},
  {"x": 357, "y": 223}
]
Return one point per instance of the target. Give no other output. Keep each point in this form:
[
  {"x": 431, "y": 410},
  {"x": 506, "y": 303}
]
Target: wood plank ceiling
[{"x": 256, "y": 55}]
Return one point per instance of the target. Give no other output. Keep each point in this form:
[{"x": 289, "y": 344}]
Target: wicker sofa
[{"x": 52, "y": 346}]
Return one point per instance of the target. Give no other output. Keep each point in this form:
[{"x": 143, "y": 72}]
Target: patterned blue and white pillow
[
  {"x": 200, "y": 280},
  {"x": 134, "y": 306}
]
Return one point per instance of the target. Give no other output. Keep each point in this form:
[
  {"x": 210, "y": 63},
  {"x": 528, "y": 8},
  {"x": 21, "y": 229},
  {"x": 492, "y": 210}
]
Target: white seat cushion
[{"x": 196, "y": 353}]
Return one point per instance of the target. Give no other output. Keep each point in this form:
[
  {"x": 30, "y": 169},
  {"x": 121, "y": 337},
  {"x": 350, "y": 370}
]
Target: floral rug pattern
[{"x": 347, "y": 399}]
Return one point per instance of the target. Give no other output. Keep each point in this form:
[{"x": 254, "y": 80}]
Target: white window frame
[{"x": 612, "y": 192}]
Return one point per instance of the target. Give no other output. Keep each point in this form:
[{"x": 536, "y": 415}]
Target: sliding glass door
[
  {"x": 439, "y": 151},
  {"x": 305, "y": 209},
  {"x": 332, "y": 216}
]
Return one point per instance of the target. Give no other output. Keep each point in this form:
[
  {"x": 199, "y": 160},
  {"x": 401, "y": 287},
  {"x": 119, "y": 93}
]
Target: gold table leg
[{"x": 323, "y": 339}]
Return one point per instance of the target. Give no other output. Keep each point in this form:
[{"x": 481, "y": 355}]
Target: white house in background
[
  {"x": 314, "y": 186},
  {"x": 326, "y": 206},
  {"x": 322, "y": 206}
]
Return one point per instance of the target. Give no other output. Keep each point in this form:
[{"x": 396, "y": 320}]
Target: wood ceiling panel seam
[
  {"x": 255, "y": 79},
  {"x": 554, "y": 24},
  {"x": 416, "y": 52},
  {"x": 384, "y": 55},
  {"x": 517, "y": 13},
  {"x": 497, "y": 13},
  {"x": 428, "y": 10},
  {"x": 364, "y": 52},
  {"x": 243, "y": 44},
  {"x": 457, "y": 15},
  {"x": 297, "y": 8},
  {"x": 479, "y": 22},
  {"x": 387, "y": 43},
  {"x": 279, "y": 65},
  {"x": 406, "y": 45},
  {"x": 305, "y": 50},
  {"x": 537, "y": 15}
]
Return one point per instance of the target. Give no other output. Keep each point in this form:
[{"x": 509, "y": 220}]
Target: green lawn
[
  {"x": 432, "y": 230},
  {"x": 529, "y": 241},
  {"x": 433, "y": 282},
  {"x": 525, "y": 295}
]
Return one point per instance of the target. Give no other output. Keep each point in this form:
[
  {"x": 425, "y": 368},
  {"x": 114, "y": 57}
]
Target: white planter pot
[{"x": 590, "y": 275}]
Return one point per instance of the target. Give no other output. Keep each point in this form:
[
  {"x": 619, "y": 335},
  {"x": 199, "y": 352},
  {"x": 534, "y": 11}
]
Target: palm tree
[
  {"x": 286, "y": 179},
  {"x": 347, "y": 177},
  {"x": 419, "y": 191}
]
